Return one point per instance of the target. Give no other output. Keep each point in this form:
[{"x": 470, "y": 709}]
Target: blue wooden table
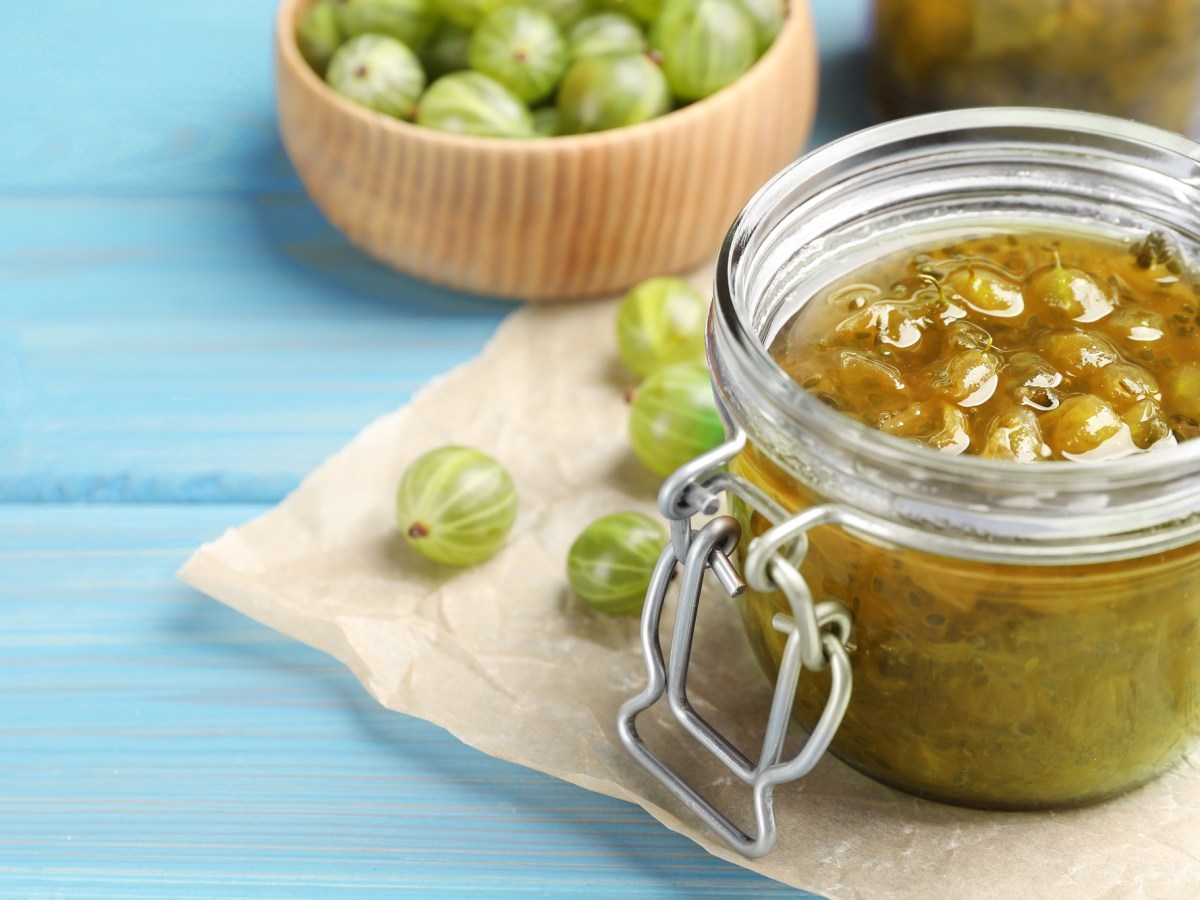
[{"x": 182, "y": 338}]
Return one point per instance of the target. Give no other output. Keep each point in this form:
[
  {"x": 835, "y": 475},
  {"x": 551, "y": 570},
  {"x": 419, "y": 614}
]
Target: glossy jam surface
[
  {"x": 1004, "y": 686},
  {"x": 1026, "y": 347}
]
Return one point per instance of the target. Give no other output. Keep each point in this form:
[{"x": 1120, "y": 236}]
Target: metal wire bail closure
[{"x": 818, "y": 637}]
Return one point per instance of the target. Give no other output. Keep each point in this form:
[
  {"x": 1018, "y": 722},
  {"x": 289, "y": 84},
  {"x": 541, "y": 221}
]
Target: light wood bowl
[{"x": 554, "y": 218}]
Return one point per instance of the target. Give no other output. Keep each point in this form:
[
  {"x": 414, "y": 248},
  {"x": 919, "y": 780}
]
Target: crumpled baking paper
[{"x": 505, "y": 658}]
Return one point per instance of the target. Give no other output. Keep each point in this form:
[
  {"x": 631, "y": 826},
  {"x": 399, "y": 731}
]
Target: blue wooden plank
[
  {"x": 154, "y": 743},
  {"x": 201, "y": 347},
  {"x": 133, "y": 97},
  {"x": 177, "y": 321},
  {"x": 113, "y": 97}
]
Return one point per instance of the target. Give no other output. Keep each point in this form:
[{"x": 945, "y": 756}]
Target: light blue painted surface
[
  {"x": 154, "y": 743},
  {"x": 181, "y": 329}
]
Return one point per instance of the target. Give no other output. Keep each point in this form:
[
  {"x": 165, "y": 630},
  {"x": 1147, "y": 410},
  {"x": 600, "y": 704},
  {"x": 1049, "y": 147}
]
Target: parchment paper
[{"x": 504, "y": 657}]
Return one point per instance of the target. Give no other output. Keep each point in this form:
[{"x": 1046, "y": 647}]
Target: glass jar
[
  {"x": 1137, "y": 59},
  {"x": 1025, "y": 636}
]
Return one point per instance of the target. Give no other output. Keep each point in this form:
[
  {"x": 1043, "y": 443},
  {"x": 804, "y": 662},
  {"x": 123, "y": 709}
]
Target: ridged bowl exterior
[{"x": 555, "y": 218}]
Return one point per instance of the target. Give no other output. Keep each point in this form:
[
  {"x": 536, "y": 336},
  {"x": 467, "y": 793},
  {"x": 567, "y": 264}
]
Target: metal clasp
[{"x": 818, "y": 637}]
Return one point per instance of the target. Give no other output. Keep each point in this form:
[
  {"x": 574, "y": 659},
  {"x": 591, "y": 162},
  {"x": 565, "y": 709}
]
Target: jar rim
[{"x": 812, "y": 167}]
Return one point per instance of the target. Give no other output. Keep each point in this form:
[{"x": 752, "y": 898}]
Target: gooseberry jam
[
  {"x": 976, "y": 333},
  {"x": 1015, "y": 346}
]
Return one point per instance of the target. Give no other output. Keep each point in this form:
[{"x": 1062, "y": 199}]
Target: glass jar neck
[{"x": 916, "y": 181}]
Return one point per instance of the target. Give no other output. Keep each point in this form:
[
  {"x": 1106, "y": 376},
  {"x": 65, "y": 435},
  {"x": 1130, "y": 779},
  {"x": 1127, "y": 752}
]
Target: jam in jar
[{"x": 977, "y": 333}]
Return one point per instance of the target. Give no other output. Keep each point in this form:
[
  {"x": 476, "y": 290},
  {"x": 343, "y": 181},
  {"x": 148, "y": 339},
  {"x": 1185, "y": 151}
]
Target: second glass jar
[{"x": 1137, "y": 59}]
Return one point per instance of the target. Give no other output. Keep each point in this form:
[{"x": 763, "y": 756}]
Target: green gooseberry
[
  {"x": 603, "y": 92},
  {"x": 645, "y": 11},
  {"x": 522, "y": 49},
  {"x": 456, "y": 505},
  {"x": 565, "y": 13},
  {"x": 318, "y": 35},
  {"x": 660, "y": 322},
  {"x": 377, "y": 72},
  {"x": 606, "y": 34},
  {"x": 469, "y": 13},
  {"x": 446, "y": 51},
  {"x": 471, "y": 103},
  {"x": 410, "y": 21},
  {"x": 546, "y": 121},
  {"x": 611, "y": 563},
  {"x": 705, "y": 45},
  {"x": 767, "y": 18},
  {"x": 674, "y": 418}
]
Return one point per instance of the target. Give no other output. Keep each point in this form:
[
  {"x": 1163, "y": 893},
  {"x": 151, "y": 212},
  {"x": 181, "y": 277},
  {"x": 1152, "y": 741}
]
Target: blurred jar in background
[{"x": 1137, "y": 59}]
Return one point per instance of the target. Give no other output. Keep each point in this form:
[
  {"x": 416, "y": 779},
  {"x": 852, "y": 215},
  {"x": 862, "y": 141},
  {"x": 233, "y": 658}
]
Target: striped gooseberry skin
[
  {"x": 603, "y": 92},
  {"x": 606, "y": 34},
  {"x": 410, "y": 21},
  {"x": 610, "y": 564},
  {"x": 674, "y": 418},
  {"x": 456, "y": 505},
  {"x": 377, "y": 72},
  {"x": 705, "y": 45},
  {"x": 767, "y": 18},
  {"x": 471, "y": 103},
  {"x": 522, "y": 49},
  {"x": 661, "y": 322}
]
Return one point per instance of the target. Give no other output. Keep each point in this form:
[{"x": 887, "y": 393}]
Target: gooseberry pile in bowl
[
  {"x": 419, "y": 128},
  {"x": 527, "y": 68}
]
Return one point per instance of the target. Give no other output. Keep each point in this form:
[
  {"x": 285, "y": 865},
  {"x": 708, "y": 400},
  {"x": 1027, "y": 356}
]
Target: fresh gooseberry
[
  {"x": 674, "y": 417},
  {"x": 471, "y": 103},
  {"x": 410, "y": 21},
  {"x": 378, "y": 72},
  {"x": 522, "y": 49},
  {"x": 661, "y": 321},
  {"x": 767, "y": 18},
  {"x": 468, "y": 13},
  {"x": 605, "y": 34},
  {"x": 456, "y": 505},
  {"x": 565, "y": 13},
  {"x": 611, "y": 562},
  {"x": 446, "y": 51},
  {"x": 603, "y": 92},
  {"x": 318, "y": 35},
  {"x": 705, "y": 45}
]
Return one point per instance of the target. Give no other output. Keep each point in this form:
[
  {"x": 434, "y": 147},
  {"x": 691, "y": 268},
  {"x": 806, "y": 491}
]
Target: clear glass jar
[
  {"x": 1026, "y": 636},
  {"x": 1137, "y": 59}
]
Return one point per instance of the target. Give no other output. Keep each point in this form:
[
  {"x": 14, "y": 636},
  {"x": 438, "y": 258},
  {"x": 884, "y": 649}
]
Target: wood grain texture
[
  {"x": 155, "y": 744},
  {"x": 547, "y": 219},
  {"x": 200, "y": 347},
  {"x": 178, "y": 322}
]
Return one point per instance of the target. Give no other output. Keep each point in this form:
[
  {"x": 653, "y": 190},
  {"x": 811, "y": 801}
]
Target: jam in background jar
[{"x": 1136, "y": 59}]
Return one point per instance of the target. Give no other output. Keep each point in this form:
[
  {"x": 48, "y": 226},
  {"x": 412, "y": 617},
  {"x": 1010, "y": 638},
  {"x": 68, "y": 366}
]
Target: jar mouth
[{"x": 1130, "y": 169}]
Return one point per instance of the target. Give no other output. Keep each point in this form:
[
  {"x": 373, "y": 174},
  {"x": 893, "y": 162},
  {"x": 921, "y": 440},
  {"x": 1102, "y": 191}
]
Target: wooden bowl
[{"x": 553, "y": 218}]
